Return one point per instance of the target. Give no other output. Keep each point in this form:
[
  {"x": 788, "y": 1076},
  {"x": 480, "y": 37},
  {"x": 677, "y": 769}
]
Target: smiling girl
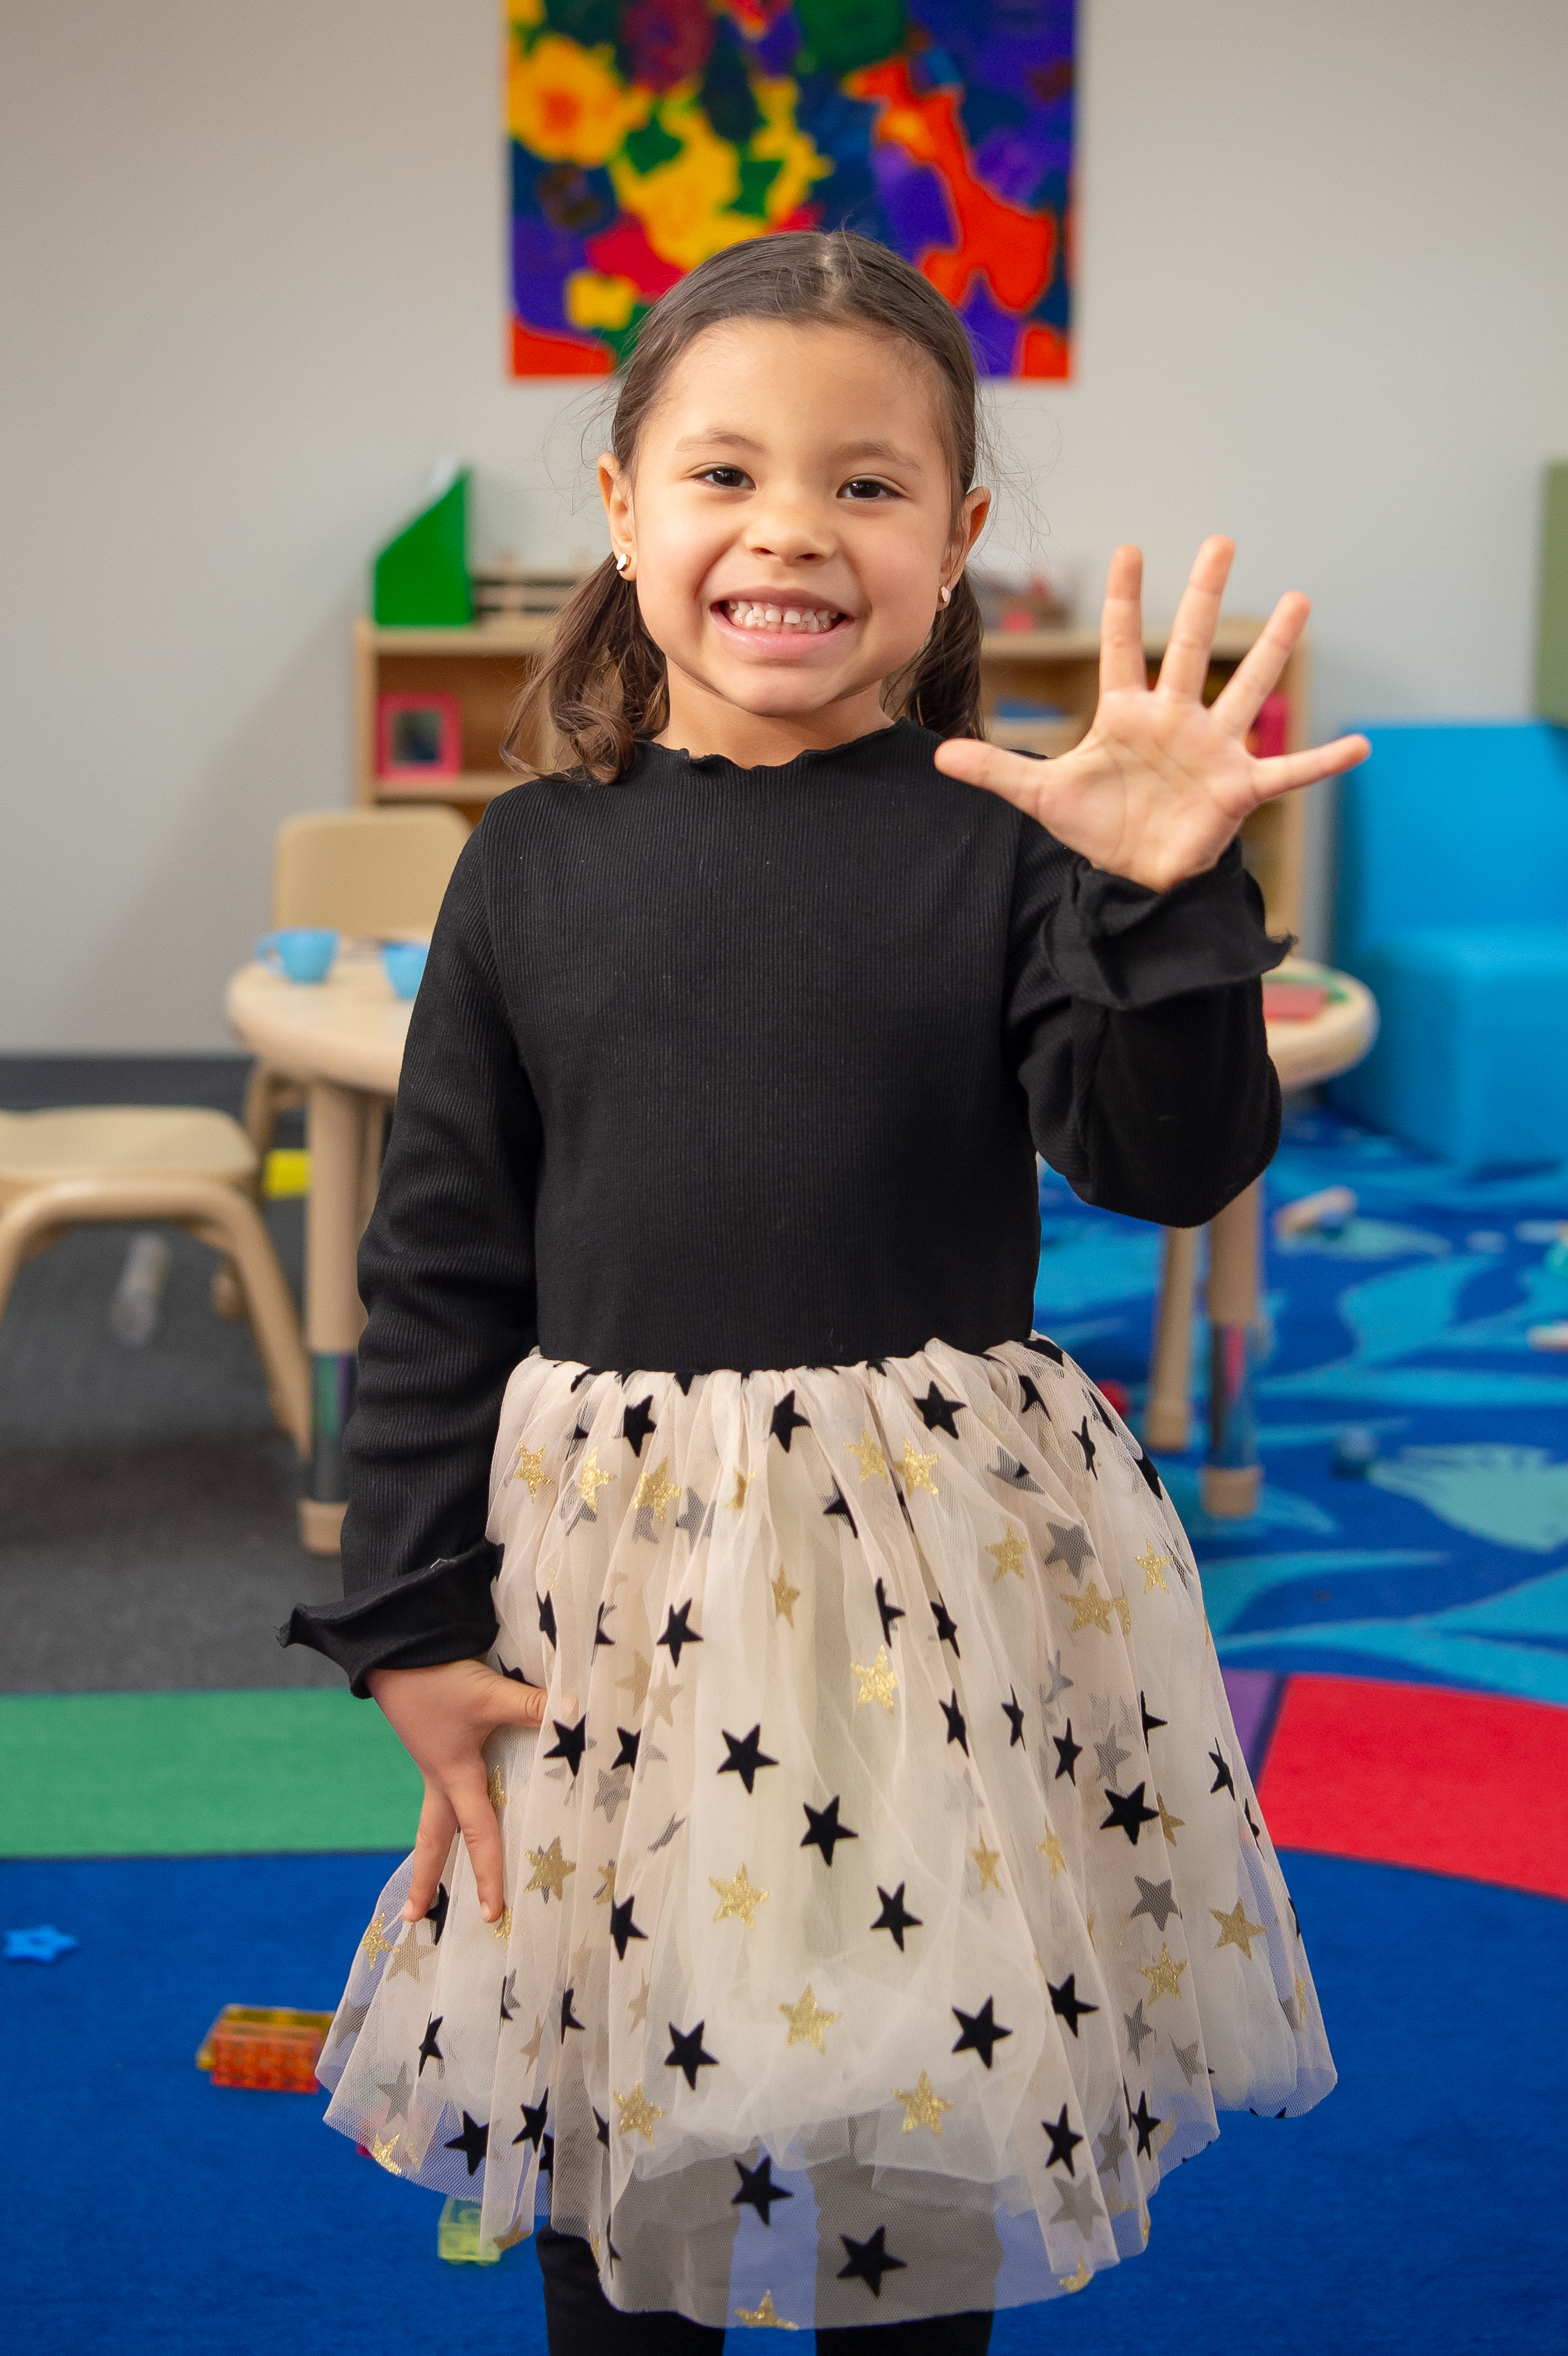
[{"x": 886, "y": 1905}]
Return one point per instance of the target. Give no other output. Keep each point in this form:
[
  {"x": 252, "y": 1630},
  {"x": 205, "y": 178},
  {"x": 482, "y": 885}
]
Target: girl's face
[{"x": 789, "y": 526}]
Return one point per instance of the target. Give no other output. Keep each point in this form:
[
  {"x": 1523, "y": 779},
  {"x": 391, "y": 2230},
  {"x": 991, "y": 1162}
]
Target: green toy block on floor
[
  {"x": 457, "y": 2236},
  {"x": 421, "y": 576}
]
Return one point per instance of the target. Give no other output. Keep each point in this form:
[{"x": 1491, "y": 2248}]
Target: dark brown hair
[{"x": 602, "y": 684}]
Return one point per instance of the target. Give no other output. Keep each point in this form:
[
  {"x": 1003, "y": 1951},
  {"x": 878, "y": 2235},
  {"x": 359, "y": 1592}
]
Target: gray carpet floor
[{"x": 148, "y": 1535}]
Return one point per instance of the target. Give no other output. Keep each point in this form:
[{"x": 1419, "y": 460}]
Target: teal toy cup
[
  {"x": 403, "y": 964},
  {"x": 303, "y": 952}
]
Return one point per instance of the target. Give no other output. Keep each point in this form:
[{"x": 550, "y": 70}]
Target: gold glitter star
[
  {"x": 590, "y": 1480},
  {"x": 740, "y": 1896},
  {"x": 916, "y": 1469},
  {"x": 531, "y": 2049},
  {"x": 530, "y": 1468},
  {"x": 877, "y": 1683},
  {"x": 873, "y": 1464},
  {"x": 1235, "y": 1931},
  {"x": 1124, "y": 1612},
  {"x": 372, "y": 1943},
  {"x": 495, "y": 1790},
  {"x": 516, "y": 2232},
  {"x": 637, "y": 2010},
  {"x": 636, "y": 1685},
  {"x": 550, "y": 1870},
  {"x": 1153, "y": 1567},
  {"x": 785, "y": 1597},
  {"x": 1010, "y": 1554},
  {"x": 1090, "y": 1610},
  {"x": 502, "y": 1928},
  {"x": 742, "y": 1483},
  {"x": 381, "y": 2153},
  {"x": 594, "y": 2238},
  {"x": 606, "y": 1893},
  {"x": 1300, "y": 2001},
  {"x": 408, "y": 1956},
  {"x": 1077, "y": 2278},
  {"x": 657, "y": 1489},
  {"x": 1143, "y": 2226},
  {"x": 1164, "y": 1977},
  {"x": 806, "y": 2021},
  {"x": 1169, "y": 1826},
  {"x": 922, "y": 2105},
  {"x": 765, "y": 2317},
  {"x": 1051, "y": 1848},
  {"x": 987, "y": 1859},
  {"x": 1089, "y": 1926},
  {"x": 637, "y": 2113}
]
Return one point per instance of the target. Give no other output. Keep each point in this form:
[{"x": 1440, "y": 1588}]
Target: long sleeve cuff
[
  {"x": 1117, "y": 945},
  {"x": 444, "y": 1613}
]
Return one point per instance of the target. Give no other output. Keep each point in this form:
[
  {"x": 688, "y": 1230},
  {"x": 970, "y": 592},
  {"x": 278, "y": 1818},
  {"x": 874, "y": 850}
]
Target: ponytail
[
  {"x": 940, "y": 690},
  {"x": 601, "y": 686}
]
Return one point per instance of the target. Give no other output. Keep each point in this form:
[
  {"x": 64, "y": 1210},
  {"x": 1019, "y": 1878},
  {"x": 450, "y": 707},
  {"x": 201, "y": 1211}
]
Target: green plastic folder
[{"x": 421, "y": 576}]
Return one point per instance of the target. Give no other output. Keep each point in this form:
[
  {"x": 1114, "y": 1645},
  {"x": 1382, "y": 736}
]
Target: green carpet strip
[{"x": 192, "y": 1775}]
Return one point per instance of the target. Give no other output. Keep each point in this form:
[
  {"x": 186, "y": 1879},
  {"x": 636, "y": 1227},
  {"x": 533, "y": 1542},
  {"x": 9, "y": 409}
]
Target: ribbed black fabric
[{"x": 725, "y": 1067}]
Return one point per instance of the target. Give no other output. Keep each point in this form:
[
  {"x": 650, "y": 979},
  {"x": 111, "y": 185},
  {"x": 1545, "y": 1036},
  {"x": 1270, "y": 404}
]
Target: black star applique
[
  {"x": 758, "y": 2190},
  {"x": 947, "y": 1626},
  {"x": 1145, "y": 2125},
  {"x": 1030, "y": 1397},
  {"x": 938, "y": 1413},
  {"x": 533, "y": 2120},
  {"x": 1150, "y": 1723},
  {"x": 823, "y": 1828},
  {"x": 547, "y": 1619},
  {"x": 1295, "y": 1917},
  {"x": 1098, "y": 1404},
  {"x": 435, "y": 1913},
  {"x": 637, "y": 1423},
  {"x": 601, "y": 2128},
  {"x": 746, "y": 1756},
  {"x": 1068, "y": 1754},
  {"x": 1223, "y": 1779},
  {"x": 1256, "y": 1830},
  {"x": 1128, "y": 1811},
  {"x": 1013, "y": 1712},
  {"x": 676, "y": 1632},
  {"x": 979, "y": 2032},
  {"x": 785, "y": 1423},
  {"x": 1043, "y": 1347},
  {"x": 868, "y": 2261},
  {"x": 838, "y": 1509},
  {"x": 1063, "y": 2142},
  {"x": 894, "y": 1916},
  {"x": 1066, "y": 2003},
  {"x": 1145, "y": 1463},
  {"x": 627, "y": 1754},
  {"x": 569, "y": 1743},
  {"x": 568, "y": 2018},
  {"x": 686, "y": 2053},
  {"x": 428, "y": 2049},
  {"x": 509, "y": 1998},
  {"x": 599, "y": 1636},
  {"x": 585, "y": 1376},
  {"x": 1087, "y": 1445},
  {"x": 516, "y": 1674},
  {"x": 472, "y": 2143},
  {"x": 547, "y": 2157},
  {"x": 956, "y": 1730},
  {"x": 622, "y": 1930},
  {"x": 887, "y": 1611}
]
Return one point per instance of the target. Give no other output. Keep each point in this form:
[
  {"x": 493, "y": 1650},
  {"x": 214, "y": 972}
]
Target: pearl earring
[
  {"x": 945, "y": 593},
  {"x": 622, "y": 561}
]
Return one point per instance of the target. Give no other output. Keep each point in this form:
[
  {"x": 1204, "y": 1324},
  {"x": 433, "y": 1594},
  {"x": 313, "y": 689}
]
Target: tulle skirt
[{"x": 889, "y": 1905}]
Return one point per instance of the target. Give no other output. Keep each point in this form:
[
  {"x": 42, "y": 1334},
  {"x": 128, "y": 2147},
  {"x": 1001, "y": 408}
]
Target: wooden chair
[{"x": 102, "y": 1164}]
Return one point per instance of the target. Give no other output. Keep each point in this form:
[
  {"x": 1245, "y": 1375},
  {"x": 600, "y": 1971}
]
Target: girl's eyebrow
[{"x": 714, "y": 435}]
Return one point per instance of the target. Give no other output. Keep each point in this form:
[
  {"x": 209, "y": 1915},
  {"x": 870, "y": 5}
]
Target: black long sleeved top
[{"x": 729, "y": 1067}]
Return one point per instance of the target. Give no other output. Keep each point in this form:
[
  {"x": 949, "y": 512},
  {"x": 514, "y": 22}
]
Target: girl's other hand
[
  {"x": 1161, "y": 782},
  {"x": 441, "y": 1717}
]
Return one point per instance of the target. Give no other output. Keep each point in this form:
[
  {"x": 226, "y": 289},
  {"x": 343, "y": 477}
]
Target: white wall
[{"x": 251, "y": 286}]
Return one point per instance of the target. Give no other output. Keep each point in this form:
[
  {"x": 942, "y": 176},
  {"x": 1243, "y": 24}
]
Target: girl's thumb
[{"x": 516, "y": 1704}]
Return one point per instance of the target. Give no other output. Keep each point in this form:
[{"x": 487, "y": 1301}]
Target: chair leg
[
  {"x": 1168, "y": 1416},
  {"x": 26, "y": 1225},
  {"x": 264, "y": 1090},
  {"x": 271, "y": 1308}
]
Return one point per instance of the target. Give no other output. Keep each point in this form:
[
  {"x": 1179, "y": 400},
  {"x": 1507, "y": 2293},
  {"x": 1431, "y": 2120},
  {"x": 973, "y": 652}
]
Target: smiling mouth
[{"x": 750, "y": 614}]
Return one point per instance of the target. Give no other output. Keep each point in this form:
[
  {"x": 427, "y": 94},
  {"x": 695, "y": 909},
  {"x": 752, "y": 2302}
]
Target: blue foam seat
[{"x": 1454, "y": 910}]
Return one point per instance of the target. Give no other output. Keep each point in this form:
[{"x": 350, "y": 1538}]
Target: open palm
[{"x": 1161, "y": 782}]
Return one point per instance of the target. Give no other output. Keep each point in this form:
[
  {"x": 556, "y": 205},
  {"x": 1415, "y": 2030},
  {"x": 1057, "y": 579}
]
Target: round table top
[{"x": 351, "y": 1028}]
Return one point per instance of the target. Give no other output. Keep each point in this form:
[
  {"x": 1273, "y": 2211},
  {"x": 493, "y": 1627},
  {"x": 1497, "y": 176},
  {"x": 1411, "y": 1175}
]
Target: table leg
[
  {"x": 1230, "y": 1479},
  {"x": 333, "y": 1314},
  {"x": 1169, "y": 1408}
]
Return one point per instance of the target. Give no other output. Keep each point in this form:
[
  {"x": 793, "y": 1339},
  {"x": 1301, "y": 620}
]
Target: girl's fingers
[
  {"x": 1121, "y": 624},
  {"x": 481, "y": 1836},
  {"x": 1186, "y": 664},
  {"x": 1257, "y": 674},
  {"x": 1290, "y": 770},
  {"x": 508, "y": 1702},
  {"x": 1012, "y": 775},
  {"x": 431, "y": 1842}
]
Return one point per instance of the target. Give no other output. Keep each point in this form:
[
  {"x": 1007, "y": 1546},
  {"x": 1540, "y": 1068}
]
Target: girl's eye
[
  {"x": 725, "y": 478},
  {"x": 867, "y": 487}
]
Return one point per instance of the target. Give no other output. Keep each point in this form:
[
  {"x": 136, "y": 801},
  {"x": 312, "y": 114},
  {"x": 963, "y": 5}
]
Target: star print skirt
[{"x": 889, "y": 1905}]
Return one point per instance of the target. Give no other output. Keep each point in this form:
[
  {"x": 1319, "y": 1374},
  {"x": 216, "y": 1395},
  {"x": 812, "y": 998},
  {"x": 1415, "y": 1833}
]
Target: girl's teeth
[{"x": 749, "y": 616}]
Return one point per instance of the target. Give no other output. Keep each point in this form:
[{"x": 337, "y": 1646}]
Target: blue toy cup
[
  {"x": 304, "y": 952},
  {"x": 403, "y": 964}
]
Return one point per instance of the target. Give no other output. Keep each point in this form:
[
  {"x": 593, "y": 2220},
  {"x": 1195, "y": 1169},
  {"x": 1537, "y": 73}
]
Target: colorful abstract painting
[{"x": 648, "y": 135}]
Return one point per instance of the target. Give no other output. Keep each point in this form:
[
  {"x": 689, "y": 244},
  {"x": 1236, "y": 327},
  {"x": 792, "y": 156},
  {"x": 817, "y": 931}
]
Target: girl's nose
[{"x": 790, "y": 529}]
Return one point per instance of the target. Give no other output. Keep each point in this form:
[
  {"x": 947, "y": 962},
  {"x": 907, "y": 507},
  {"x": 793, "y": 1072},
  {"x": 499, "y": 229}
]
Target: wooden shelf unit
[{"x": 486, "y": 666}]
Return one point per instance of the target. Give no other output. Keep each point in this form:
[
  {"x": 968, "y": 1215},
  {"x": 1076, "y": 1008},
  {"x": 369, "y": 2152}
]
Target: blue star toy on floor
[{"x": 43, "y": 1944}]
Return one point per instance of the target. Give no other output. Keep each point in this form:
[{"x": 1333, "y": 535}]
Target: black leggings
[{"x": 580, "y": 2320}]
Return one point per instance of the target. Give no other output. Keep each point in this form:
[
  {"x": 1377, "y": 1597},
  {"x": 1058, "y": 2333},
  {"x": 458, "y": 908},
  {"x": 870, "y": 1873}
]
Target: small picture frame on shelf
[{"x": 418, "y": 737}]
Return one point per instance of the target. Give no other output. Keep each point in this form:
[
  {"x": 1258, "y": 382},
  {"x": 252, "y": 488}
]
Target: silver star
[
  {"x": 398, "y": 2093},
  {"x": 1077, "y": 2206},
  {"x": 667, "y": 1835},
  {"x": 1114, "y": 2143},
  {"x": 1012, "y": 1471},
  {"x": 1110, "y": 1755},
  {"x": 1138, "y": 2029},
  {"x": 612, "y": 1792},
  {"x": 1154, "y": 1899},
  {"x": 1060, "y": 1683},
  {"x": 1188, "y": 2056},
  {"x": 1071, "y": 1545},
  {"x": 695, "y": 1518},
  {"x": 351, "y": 2019}
]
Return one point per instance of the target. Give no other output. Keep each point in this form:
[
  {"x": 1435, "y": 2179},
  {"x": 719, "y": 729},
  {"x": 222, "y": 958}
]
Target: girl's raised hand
[
  {"x": 1161, "y": 783},
  {"x": 441, "y": 1717}
]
